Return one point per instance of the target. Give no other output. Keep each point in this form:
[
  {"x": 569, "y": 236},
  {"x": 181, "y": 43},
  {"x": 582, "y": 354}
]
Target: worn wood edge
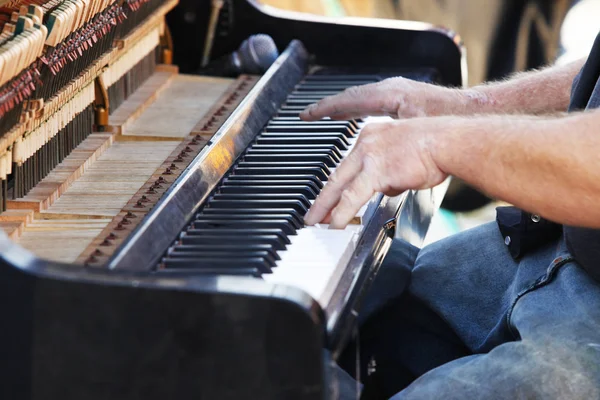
[
  {"x": 140, "y": 100},
  {"x": 39, "y": 205},
  {"x": 225, "y": 105}
]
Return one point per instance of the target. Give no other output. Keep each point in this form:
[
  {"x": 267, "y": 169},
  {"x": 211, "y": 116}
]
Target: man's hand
[
  {"x": 388, "y": 158},
  {"x": 397, "y": 98}
]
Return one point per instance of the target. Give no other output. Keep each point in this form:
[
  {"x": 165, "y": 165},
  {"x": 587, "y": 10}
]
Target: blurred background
[{"x": 501, "y": 37}]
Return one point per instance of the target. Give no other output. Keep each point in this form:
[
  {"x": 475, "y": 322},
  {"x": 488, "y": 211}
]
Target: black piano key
[
  {"x": 258, "y": 263},
  {"x": 300, "y": 148},
  {"x": 287, "y": 122},
  {"x": 260, "y": 205},
  {"x": 318, "y": 76},
  {"x": 174, "y": 252},
  {"x": 325, "y": 130},
  {"x": 315, "y": 94},
  {"x": 262, "y": 196},
  {"x": 242, "y": 231},
  {"x": 329, "y": 157},
  {"x": 281, "y": 224},
  {"x": 290, "y": 179},
  {"x": 352, "y": 122},
  {"x": 295, "y": 223},
  {"x": 293, "y": 159},
  {"x": 273, "y": 240},
  {"x": 308, "y": 135},
  {"x": 293, "y": 140},
  {"x": 315, "y": 171},
  {"x": 174, "y": 268},
  {"x": 304, "y": 184},
  {"x": 285, "y": 164},
  {"x": 278, "y": 189},
  {"x": 296, "y": 108},
  {"x": 291, "y": 212},
  {"x": 325, "y": 87},
  {"x": 288, "y": 113},
  {"x": 225, "y": 248}
]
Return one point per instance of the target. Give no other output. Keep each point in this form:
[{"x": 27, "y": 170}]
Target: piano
[{"x": 190, "y": 274}]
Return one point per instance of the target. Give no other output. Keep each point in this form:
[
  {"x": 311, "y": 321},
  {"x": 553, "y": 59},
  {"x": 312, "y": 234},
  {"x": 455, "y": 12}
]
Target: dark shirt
[
  {"x": 523, "y": 231},
  {"x": 584, "y": 243}
]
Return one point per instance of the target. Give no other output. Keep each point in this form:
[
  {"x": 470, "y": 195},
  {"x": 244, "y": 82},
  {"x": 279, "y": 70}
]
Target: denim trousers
[{"x": 461, "y": 319}]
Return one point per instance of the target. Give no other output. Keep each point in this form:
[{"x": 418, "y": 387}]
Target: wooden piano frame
[{"x": 125, "y": 333}]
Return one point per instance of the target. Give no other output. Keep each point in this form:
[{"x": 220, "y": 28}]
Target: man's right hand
[{"x": 397, "y": 98}]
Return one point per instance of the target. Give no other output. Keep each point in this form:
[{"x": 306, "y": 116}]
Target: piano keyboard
[{"x": 253, "y": 223}]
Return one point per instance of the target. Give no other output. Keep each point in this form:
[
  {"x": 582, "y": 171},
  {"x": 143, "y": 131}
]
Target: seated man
[{"x": 507, "y": 310}]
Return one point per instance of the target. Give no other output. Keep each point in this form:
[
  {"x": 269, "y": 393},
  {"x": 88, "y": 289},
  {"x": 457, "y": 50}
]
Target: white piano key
[{"x": 315, "y": 260}]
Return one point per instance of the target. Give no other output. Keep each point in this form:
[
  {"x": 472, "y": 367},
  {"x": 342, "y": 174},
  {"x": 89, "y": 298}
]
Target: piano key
[
  {"x": 262, "y": 196},
  {"x": 326, "y": 156},
  {"x": 225, "y": 248},
  {"x": 214, "y": 263},
  {"x": 320, "y": 129},
  {"x": 297, "y": 216},
  {"x": 314, "y": 188},
  {"x": 316, "y": 271},
  {"x": 284, "y": 164},
  {"x": 293, "y": 140},
  {"x": 293, "y": 158},
  {"x": 329, "y": 148},
  {"x": 290, "y": 179},
  {"x": 260, "y": 205},
  {"x": 295, "y": 223},
  {"x": 326, "y": 87},
  {"x": 288, "y": 113},
  {"x": 354, "y": 122},
  {"x": 280, "y": 224},
  {"x": 341, "y": 77},
  {"x": 315, "y": 171},
  {"x": 234, "y": 231},
  {"x": 265, "y": 255},
  {"x": 174, "y": 270},
  {"x": 287, "y": 122},
  {"x": 243, "y": 240},
  {"x": 308, "y": 135},
  {"x": 306, "y": 191}
]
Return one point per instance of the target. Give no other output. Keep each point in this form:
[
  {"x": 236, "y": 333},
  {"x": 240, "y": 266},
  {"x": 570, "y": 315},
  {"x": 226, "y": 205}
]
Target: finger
[
  {"x": 330, "y": 195},
  {"x": 345, "y": 116},
  {"x": 353, "y": 103},
  {"x": 352, "y": 199}
]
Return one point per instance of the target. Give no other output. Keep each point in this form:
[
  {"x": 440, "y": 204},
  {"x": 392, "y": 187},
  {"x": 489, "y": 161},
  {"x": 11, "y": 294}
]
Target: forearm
[
  {"x": 552, "y": 170},
  {"x": 538, "y": 92}
]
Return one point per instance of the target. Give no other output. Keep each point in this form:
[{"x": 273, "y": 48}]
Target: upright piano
[{"x": 154, "y": 244}]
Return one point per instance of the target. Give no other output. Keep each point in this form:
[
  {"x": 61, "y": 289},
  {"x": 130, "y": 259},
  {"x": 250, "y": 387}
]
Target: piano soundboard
[{"x": 154, "y": 240}]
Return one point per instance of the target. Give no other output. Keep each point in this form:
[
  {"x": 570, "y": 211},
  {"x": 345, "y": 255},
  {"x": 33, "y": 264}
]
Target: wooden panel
[
  {"x": 113, "y": 179},
  {"x": 143, "y": 97},
  {"x": 178, "y": 109},
  {"x": 73, "y": 166},
  {"x": 60, "y": 240}
]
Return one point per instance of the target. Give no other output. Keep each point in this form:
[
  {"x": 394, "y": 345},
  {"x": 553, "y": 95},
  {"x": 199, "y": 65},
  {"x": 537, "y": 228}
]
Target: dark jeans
[{"x": 460, "y": 319}]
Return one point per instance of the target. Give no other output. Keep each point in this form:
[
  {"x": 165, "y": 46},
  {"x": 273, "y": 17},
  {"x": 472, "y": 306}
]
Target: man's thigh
[{"x": 556, "y": 355}]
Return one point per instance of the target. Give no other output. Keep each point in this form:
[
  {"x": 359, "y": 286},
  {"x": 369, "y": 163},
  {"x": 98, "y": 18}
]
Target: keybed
[{"x": 252, "y": 225}]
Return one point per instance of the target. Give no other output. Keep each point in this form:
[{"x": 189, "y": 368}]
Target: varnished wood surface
[{"x": 184, "y": 101}]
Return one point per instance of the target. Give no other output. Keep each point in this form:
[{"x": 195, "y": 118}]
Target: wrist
[{"x": 479, "y": 100}]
